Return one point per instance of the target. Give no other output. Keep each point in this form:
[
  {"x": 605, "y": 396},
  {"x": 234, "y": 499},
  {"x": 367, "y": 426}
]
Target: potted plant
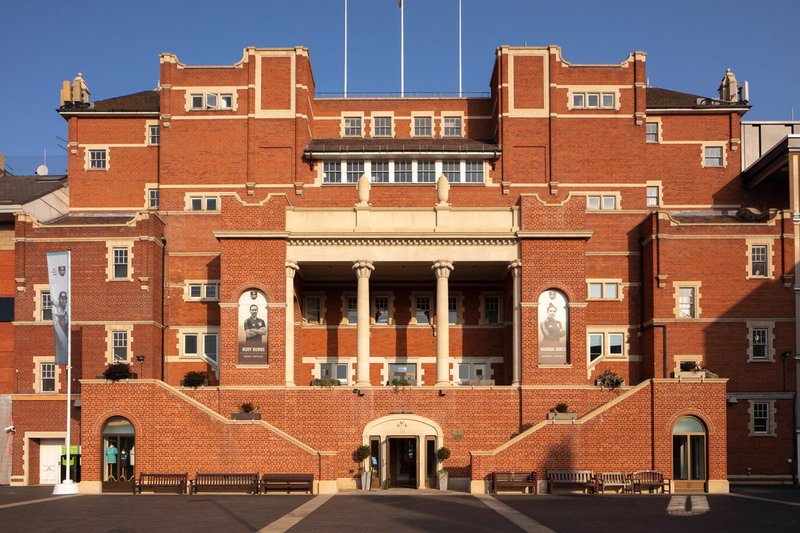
[
  {"x": 610, "y": 380},
  {"x": 361, "y": 454},
  {"x": 118, "y": 371},
  {"x": 398, "y": 382},
  {"x": 442, "y": 455},
  {"x": 194, "y": 379},
  {"x": 325, "y": 382},
  {"x": 247, "y": 411},
  {"x": 561, "y": 412}
]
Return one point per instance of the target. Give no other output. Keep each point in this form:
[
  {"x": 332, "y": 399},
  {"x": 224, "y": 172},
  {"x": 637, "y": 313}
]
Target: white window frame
[
  {"x": 415, "y": 379},
  {"x": 418, "y": 172},
  {"x": 352, "y": 126},
  {"x": 347, "y": 299},
  {"x": 373, "y": 312},
  {"x": 603, "y": 202},
  {"x": 112, "y": 257},
  {"x": 332, "y": 171},
  {"x": 761, "y": 333},
  {"x": 652, "y": 137},
  {"x": 153, "y": 198},
  {"x": 458, "y": 299},
  {"x": 403, "y": 168},
  {"x": 417, "y": 298},
  {"x": 476, "y": 372},
  {"x": 695, "y": 286},
  {"x": 474, "y": 172},
  {"x": 452, "y": 126},
  {"x": 379, "y": 171},
  {"x": 45, "y": 306},
  {"x": 203, "y": 289},
  {"x": 451, "y": 169},
  {"x": 354, "y": 170},
  {"x": 709, "y": 161},
  {"x": 112, "y": 340},
  {"x": 153, "y": 135},
  {"x": 202, "y": 203},
  {"x": 605, "y": 289},
  {"x": 210, "y": 100},
  {"x": 484, "y": 314},
  {"x": 764, "y": 410},
  {"x": 652, "y": 195},
  {"x": 39, "y": 364},
  {"x": 606, "y": 335},
  {"x": 752, "y": 244},
  {"x": 97, "y": 159},
  {"x": 426, "y": 126},
  {"x": 341, "y": 370},
  {"x": 379, "y": 128},
  {"x": 320, "y": 308}
]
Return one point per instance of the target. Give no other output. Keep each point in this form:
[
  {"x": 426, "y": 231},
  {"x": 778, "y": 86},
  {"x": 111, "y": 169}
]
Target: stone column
[
  {"x": 291, "y": 269},
  {"x": 516, "y": 314},
  {"x": 442, "y": 269},
  {"x": 363, "y": 270}
]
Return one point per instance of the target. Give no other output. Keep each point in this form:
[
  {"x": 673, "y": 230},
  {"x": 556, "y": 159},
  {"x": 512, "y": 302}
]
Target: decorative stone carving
[
  {"x": 363, "y": 190},
  {"x": 442, "y": 191}
]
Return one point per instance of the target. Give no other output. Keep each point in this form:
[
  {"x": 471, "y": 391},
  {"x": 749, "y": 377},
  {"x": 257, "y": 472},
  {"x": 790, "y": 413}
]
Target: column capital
[
  {"x": 363, "y": 268},
  {"x": 291, "y": 268},
  {"x": 515, "y": 266},
  {"x": 442, "y": 268}
]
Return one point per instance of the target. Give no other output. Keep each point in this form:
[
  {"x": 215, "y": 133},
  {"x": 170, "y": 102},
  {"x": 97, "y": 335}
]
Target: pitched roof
[
  {"x": 141, "y": 102},
  {"x": 667, "y": 99},
  {"x": 19, "y": 190},
  {"x": 415, "y": 145},
  {"x": 93, "y": 219}
]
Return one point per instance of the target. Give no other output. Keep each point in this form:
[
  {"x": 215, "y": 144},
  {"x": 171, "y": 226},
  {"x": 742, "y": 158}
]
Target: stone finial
[
  {"x": 80, "y": 91},
  {"x": 363, "y": 190},
  {"x": 729, "y": 87},
  {"x": 442, "y": 191}
]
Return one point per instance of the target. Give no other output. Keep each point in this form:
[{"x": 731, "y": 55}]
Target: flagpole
[
  {"x": 345, "y": 48},
  {"x": 402, "y": 55},
  {"x": 67, "y": 486},
  {"x": 459, "y": 48}
]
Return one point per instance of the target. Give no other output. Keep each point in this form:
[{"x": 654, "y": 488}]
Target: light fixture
[
  {"x": 442, "y": 393},
  {"x": 358, "y": 391}
]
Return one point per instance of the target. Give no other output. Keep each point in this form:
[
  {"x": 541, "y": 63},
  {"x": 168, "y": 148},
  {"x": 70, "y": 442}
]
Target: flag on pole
[{"x": 58, "y": 270}]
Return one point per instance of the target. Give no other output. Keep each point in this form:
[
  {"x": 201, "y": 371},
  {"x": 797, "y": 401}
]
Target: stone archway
[{"x": 416, "y": 437}]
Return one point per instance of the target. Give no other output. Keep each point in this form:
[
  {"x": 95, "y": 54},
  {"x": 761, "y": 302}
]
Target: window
[
  {"x": 331, "y": 172},
  {"x": 760, "y": 343},
  {"x": 762, "y": 418},
  {"x": 652, "y": 194},
  {"x": 6, "y": 308},
  {"x": 154, "y": 135},
  {"x": 381, "y": 309},
  {"x": 120, "y": 346},
  {"x": 352, "y": 310},
  {"x": 426, "y": 172},
  {"x": 402, "y": 372},
  {"x": 210, "y": 346},
  {"x": 199, "y": 291},
  {"x": 593, "y": 100},
  {"x": 152, "y": 198},
  {"x": 452, "y": 310},
  {"x": 210, "y": 101},
  {"x": 47, "y": 306},
  {"x": 758, "y": 260},
  {"x": 98, "y": 159},
  {"x": 203, "y": 203},
  {"x": 761, "y": 337},
  {"x": 402, "y": 172},
  {"x": 472, "y": 373},
  {"x": 608, "y": 101},
  {"x": 452, "y": 171},
  {"x": 380, "y": 171},
  {"x": 120, "y": 262},
  {"x": 606, "y": 343},
  {"x": 578, "y": 100},
  {"x": 352, "y": 126},
  {"x": 603, "y": 290},
  {"x": 47, "y": 377},
  {"x": 713, "y": 156},
  {"x": 452, "y": 126},
  {"x": 422, "y": 309},
  {"x": 355, "y": 169},
  {"x": 382, "y": 127},
  {"x": 491, "y": 310},
  {"x": 334, "y": 371},
  {"x": 651, "y": 132},
  {"x": 311, "y": 310},
  {"x": 687, "y": 302},
  {"x": 423, "y": 127},
  {"x": 601, "y": 202},
  {"x": 474, "y": 172}
]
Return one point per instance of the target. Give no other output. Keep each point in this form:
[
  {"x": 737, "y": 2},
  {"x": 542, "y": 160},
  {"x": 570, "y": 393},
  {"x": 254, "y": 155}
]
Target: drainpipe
[{"x": 163, "y": 307}]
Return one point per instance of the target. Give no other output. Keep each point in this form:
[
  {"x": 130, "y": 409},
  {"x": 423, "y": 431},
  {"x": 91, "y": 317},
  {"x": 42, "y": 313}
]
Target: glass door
[{"x": 689, "y": 455}]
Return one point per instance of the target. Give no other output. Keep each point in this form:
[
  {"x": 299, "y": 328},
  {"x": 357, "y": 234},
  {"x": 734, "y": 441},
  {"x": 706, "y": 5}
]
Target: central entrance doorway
[
  {"x": 689, "y": 455},
  {"x": 403, "y": 464}
]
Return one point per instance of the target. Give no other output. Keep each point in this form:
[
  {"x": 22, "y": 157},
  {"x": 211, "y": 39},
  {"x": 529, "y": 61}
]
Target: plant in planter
[
  {"x": 361, "y": 454},
  {"x": 561, "y": 412},
  {"x": 247, "y": 411},
  {"x": 693, "y": 369},
  {"x": 195, "y": 379},
  {"x": 326, "y": 382},
  {"x": 398, "y": 382},
  {"x": 442, "y": 455},
  {"x": 118, "y": 371},
  {"x": 610, "y": 380}
]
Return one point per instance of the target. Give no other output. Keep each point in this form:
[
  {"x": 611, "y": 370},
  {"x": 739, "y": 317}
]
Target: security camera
[{"x": 9, "y": 429}]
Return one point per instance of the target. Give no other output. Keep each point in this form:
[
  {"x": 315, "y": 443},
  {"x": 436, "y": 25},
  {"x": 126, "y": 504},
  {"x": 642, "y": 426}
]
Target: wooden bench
[
  {"x": 160, "y": 483},
  {"x": 287, "y": 482},
  {"x": 225, "y": 483},
  {"x": 650, "y": 480},
  {"x": 514, "y": 480},
  {"x": 614, "y": 481},
  {"x": 576, "y": 479}
]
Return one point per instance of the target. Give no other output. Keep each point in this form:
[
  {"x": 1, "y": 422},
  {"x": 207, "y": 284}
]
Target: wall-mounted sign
[
  {"x": 553, "y": 328},
  {"x": 253, "y": 338}
]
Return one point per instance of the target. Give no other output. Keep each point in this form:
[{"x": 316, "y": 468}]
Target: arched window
[
  {"x": 119, "y": 452},
  {"x": 689, "y": 454},
  {"x": 253, "y": 320},
  {"x": 553, "y": 327}
]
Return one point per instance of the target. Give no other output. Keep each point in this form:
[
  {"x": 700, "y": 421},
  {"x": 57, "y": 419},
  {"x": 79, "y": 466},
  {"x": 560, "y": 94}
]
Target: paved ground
[{"x": 753, "y": 508}]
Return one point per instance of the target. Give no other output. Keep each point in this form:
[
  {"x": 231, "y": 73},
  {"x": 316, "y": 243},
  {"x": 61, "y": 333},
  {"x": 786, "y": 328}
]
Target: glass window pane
[
  {"x": 380, "y": 172},
  {"x": 210, "y": 346},
  {"x": 452, "y": 171},
  {"x": 688, "y": 424},
  {"x": 609, "y": 202},
  {"x": 402, "y": 172},
  {"x": 593, "y": 202},
  {"x": 492, "y": 309},
  {"x": 212, "y": 291},
  {"x": 578, "y": 100},
  {"x": 463, "y": 372},
  {"x": 595, "y": 346},
  {"x": 452, "y": 310},
  {"x": 592, "y": 100},
  {"x": 381, "y": 310},
  {"x": 610, "y": 290},
  {"x": 194, "y": 291},
  {"x": 332, "y": 172},
  {"x": 190, "y": 344},
  {"x": 426, "y": 172},
  {"x": 352, "y": 309},
  {"x": 615, "y": 341},
  {"x": 341, "y": 372},
  {"x": 326, "y": 370},
  {"x": 423, "y": 311},
  {"x": 595, "y": 290}
]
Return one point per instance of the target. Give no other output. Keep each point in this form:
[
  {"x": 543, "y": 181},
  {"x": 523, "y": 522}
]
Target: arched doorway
[
  {"x": 118, "y": 454},
  {"x": 689, "y": 470},
  {"x": 403, "y": 451}
]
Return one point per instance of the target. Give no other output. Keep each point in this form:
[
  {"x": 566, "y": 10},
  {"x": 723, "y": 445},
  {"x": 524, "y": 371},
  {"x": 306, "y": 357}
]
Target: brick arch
[
  {"x": 97, "y": 427},
  {"x": 544, "y": 287},
  {"x": 242, "y": 288},
  {"x": 703, "y": 418}
]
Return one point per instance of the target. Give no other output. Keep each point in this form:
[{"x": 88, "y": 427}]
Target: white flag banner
[{"x": 58, "y": 270}]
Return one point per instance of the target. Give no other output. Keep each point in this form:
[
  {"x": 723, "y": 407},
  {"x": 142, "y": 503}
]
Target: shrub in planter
[
  {"x": 610, "y": 380},
  {"x": 361, "y": 453},
  {"x": 195, "y": 379},
  {"x": 443, "y": 454},
  {"x": 560, "y": 407},
  {"x": 118, "y": 371},
  {"x": 326, "y": 382},
  {"x": 247, "y": 407}
]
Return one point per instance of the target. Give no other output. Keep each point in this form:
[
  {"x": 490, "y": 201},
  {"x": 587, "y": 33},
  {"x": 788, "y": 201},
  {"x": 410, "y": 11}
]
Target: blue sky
[{"x": 115, "y": 44}]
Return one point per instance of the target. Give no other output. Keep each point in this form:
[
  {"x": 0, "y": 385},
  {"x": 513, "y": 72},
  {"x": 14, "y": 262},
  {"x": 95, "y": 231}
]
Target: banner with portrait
[
  {"x": 553, "y": 328},
  {"x": 58, "y": 273},
  {"x": 253, "y": 338}
]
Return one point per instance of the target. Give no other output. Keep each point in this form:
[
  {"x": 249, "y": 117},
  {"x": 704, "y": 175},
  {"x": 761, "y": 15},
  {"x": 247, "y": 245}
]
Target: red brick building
[{"x": 459, "y": 265}]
